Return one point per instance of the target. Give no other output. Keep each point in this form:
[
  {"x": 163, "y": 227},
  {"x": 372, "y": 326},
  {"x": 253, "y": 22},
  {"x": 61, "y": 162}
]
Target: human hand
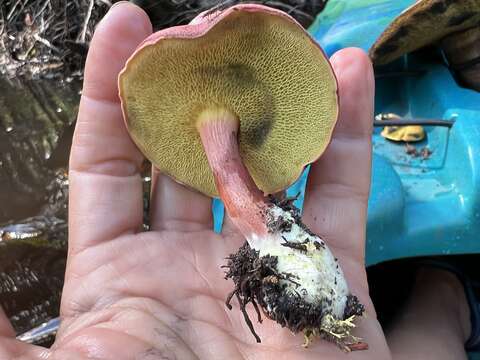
[{"x": 160, "y": 294}]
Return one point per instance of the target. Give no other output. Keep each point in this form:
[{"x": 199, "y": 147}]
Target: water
[
  {"x": 31, "y": 143},
  {"x": 36, "y": 126}
]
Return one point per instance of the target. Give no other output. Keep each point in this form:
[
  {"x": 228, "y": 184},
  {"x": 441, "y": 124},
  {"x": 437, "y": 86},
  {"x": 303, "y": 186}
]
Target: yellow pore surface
[{"x": 263, "y": 68}]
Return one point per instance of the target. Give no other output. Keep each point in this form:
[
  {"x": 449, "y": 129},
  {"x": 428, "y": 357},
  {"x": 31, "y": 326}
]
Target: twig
[
  {"x": 247, "y": 318},
  {"x": 3, "y": 23},
  {"x": 257, "y": 310},
  {"x": 106, "y": 2},
  {"x": 87, "y": 20},
  {"x": 46, "y": 43},
  {"x": 42, "y": 9},
  {"x": 404, "y": 122},
  {"x": 12, "y": 11}
]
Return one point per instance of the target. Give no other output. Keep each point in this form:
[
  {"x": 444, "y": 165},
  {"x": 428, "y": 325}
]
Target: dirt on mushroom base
[{"x": 258, "y": 281}]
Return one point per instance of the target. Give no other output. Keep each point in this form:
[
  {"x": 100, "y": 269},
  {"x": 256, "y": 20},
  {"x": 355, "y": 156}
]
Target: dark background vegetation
[{"x": 50, "y": 38}]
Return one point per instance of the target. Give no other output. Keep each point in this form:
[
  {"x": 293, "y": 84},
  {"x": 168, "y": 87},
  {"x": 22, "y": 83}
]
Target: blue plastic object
[{"x": 417, "y": 206}]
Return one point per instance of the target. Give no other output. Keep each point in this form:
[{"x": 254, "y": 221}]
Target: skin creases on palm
[{"x": 168, "y": 295}]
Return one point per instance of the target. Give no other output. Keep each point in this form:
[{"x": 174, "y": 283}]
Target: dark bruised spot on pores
[
  {"x": 257, "y": 135},
  {"x": 259, "y": 130},
  {"x": 244, "y": 79},
  {"x": 235, "y": 73},
  {"x": 239, "y": 73}
]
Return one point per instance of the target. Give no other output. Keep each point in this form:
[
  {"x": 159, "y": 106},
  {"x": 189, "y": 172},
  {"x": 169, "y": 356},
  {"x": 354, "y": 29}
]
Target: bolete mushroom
[
  {"x": 453, "y": 25},
  {"x": 236, "y": 104}
]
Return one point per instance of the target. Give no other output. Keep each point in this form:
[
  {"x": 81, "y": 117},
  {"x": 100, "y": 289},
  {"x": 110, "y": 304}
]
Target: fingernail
[
  {"x": 119, "y": 3},
  {"x": 133, "y": 17},
  {"x": 109, "y": 12}
]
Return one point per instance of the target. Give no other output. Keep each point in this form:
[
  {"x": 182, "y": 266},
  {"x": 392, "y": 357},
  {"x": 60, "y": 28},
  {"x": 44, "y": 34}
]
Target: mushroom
[
  {"x": 453, "y": 25},
  {"x": 462, "y": 50},
  {"x": 235, "y": 104}
]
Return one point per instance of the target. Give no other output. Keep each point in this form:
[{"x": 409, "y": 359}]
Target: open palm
[{"x": 160, "y": 294}]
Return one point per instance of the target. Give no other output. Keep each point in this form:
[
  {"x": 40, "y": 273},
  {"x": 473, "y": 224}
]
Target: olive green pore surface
[
  {"x": 262, "y": 67},
  {"x": 424, "y": 23}
]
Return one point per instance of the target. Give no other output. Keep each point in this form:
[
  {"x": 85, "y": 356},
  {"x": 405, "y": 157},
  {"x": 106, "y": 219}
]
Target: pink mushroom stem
[{"x": 244, "y": 202}]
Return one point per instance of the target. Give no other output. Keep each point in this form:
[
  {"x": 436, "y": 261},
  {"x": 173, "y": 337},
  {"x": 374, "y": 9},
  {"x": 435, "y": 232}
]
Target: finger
[
  {"x": 338, "y": 184},
  {"x": 174, "y": 206},
  {"x": 6, "y": 328},
  {"x": 105, "y": 183},
  {"x": 228, "y": 226}
]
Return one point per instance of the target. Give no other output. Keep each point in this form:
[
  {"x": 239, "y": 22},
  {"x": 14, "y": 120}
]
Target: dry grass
[
  {"x": 165, "y": 13},
  {"x": 50, "y": 38},
  {"x": 46, "y": 38}
]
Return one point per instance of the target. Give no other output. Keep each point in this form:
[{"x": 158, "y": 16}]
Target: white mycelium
[{"x": 316, "y": 271}]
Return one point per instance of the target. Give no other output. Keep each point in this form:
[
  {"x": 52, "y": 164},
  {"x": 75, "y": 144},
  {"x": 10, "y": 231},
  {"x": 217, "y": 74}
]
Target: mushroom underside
[{"x": 263, "y": 68}]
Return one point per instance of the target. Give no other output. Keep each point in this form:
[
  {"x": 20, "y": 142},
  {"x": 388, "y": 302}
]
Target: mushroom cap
[
  {"x": 424, "y": 23},
  {"x": 255, "y": 61}
]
